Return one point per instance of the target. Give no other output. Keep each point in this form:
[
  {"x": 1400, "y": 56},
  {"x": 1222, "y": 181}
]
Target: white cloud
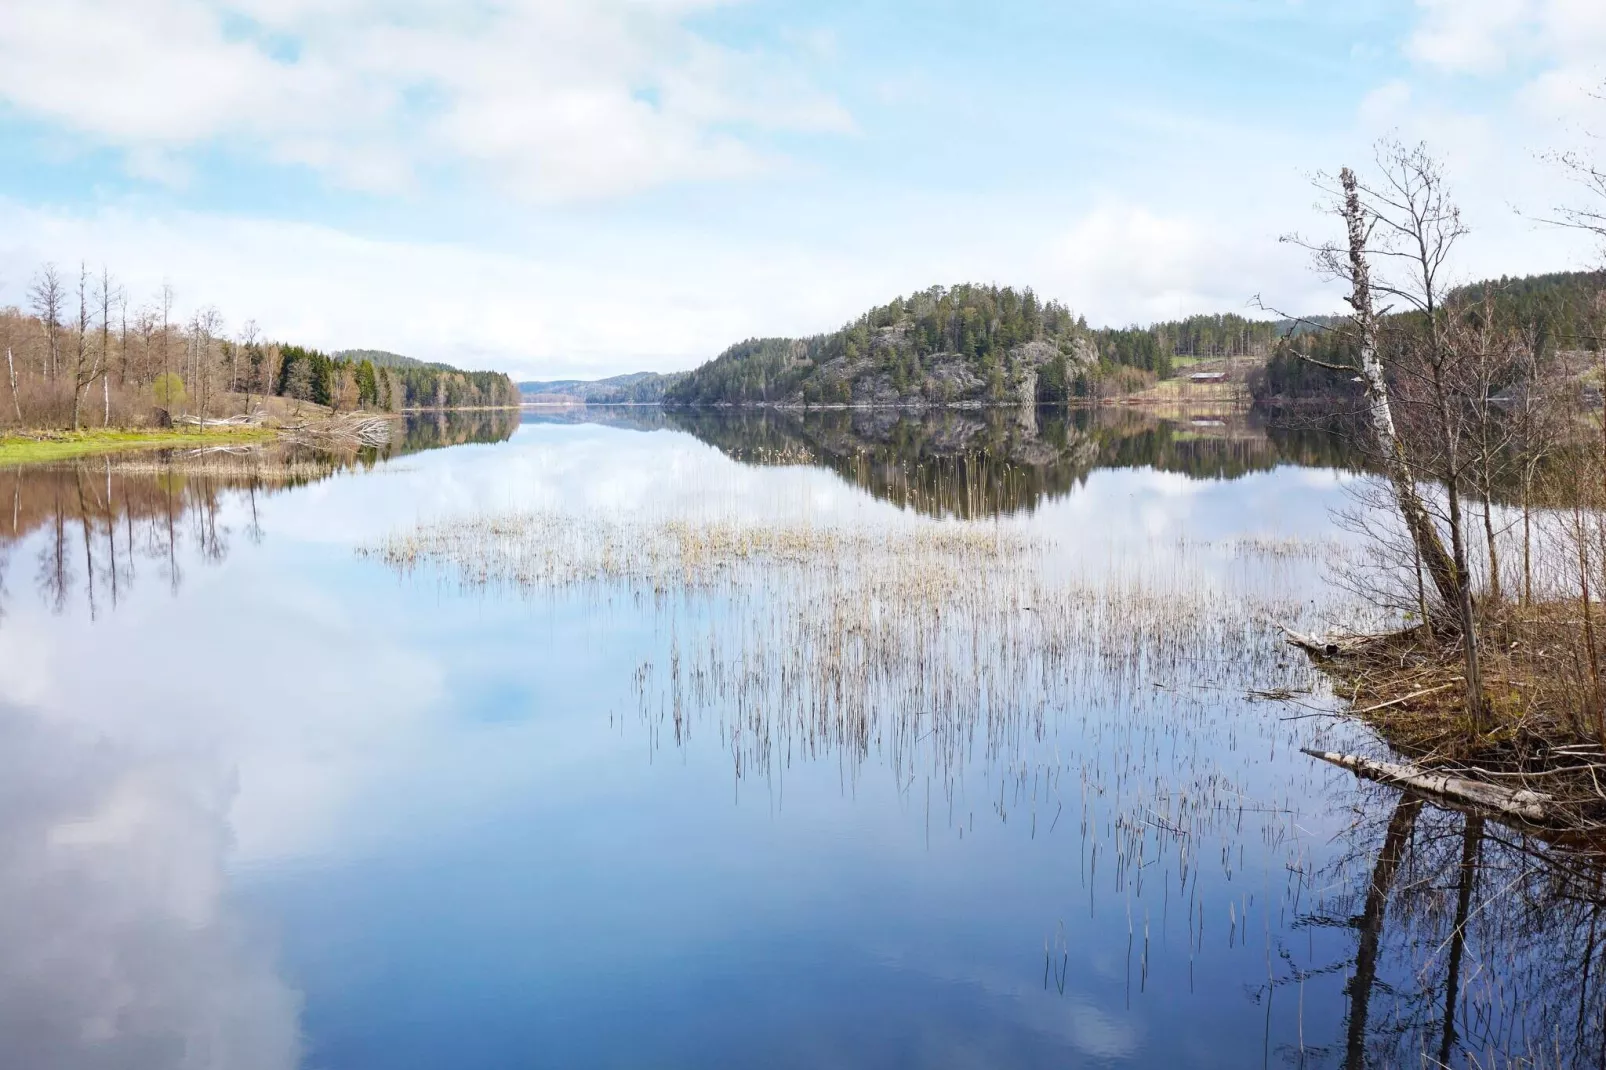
[
  {"x": 550, "y": 99},
  {"x": 653, "y": 298},
  {"x": 1475, "y": 36},
  {"x": 1384, "y": 106},
  {"x": 650, "y": 297},
  {"x": 1526, "y": 82},
  {"x": 1128, "y": 264},
  {"x": 1490, "y": 36}
]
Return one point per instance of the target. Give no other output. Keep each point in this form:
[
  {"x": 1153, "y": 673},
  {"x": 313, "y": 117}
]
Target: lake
[{"x": 628, "y": 738}]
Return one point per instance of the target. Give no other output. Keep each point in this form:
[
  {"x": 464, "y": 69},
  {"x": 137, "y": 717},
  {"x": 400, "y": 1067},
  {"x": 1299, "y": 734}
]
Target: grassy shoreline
[{"x": 40, "y": 447}]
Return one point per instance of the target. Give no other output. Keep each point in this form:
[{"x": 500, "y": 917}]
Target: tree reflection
[
  {"x": 96, "y": 521},
  {"x": 1477, "y": 944},
  {"x": 988, "y": 462}
]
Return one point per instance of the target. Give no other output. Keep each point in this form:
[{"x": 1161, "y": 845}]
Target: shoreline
[
  {"x": 1408, "y": 688},
  {"x": 1135, "y": 403},
  {"x": 43, "y": 447}
]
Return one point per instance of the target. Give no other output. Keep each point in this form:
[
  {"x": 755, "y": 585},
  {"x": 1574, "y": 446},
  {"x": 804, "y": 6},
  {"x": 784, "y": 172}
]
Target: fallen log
[
  {"x": 1310, "y": 644},
  {"x": 1328, "y": 646},
  {"x": 1333, "y": 646},
  {"x": 1520, "y": 803}
]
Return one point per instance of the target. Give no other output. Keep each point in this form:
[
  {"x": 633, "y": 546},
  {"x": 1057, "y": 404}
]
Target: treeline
[
  {"x": 344, "y": 383},
  {"x": 1557, "y": 315},
  {"x": 1155, "y": 347},
  {"x": 82, "y": 353}
]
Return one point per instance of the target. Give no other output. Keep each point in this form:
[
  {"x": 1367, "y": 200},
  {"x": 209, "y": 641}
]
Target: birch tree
[
  {"x": 107, "y": 294},
  {"x": 86, "y": 365},
  {"x": 1406, "y": 220}
]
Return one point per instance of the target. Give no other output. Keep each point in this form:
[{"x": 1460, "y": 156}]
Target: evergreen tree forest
[
  {"x": 352, "y": 382},
  {"x": 1559, "y": 313}
]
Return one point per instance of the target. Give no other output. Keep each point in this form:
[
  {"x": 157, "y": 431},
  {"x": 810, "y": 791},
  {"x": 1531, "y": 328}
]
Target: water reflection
[
  {"x": 977, "y": 463},
  {"x": 123, "y": 948},
  {"x": 1475, "y": 944},
  {"x": 878, "y": 814},
  {"x": 111, "y": 521}
]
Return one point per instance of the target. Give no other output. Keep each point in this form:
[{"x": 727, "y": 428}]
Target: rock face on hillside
[{"x": 941, "y": 379}]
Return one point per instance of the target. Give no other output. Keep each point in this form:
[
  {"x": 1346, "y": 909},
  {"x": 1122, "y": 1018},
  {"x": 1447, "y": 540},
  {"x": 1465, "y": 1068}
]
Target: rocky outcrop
[{"x": 939, "y": 379}]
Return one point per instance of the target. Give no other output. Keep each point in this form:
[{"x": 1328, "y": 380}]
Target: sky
[{"x": 581, "y": 188}]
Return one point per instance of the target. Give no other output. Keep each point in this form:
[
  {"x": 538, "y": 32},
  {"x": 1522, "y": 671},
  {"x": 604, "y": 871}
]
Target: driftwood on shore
[
  {"x": 355, "y": 429},
  {"x": 1329, "y": 646},
  {"x": 1514, "y": 802},
  {"x": 251, "y": 419}
]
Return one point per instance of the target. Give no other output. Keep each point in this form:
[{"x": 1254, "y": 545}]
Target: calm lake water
[{"x": 850, "y": 741}]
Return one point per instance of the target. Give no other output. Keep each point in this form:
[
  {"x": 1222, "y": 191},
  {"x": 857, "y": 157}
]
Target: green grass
[{"x": 42, "y": 446}]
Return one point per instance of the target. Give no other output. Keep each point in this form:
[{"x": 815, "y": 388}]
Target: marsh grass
[{"x": 940, "y": 649}]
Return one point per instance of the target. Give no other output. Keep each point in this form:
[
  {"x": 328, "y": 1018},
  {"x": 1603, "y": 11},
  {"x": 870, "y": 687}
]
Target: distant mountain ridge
[{"x": 634, "y": 388}]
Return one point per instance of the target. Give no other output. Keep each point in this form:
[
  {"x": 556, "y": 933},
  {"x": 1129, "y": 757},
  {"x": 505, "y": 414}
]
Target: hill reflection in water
[{"x": 987, "y": 462}]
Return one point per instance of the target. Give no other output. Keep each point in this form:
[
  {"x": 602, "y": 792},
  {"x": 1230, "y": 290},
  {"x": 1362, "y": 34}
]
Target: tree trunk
[
  {"x": 1519, "y": 803},
  {"x": 11, "y": 367},
  {"x": 1440, "y": 568},
  {"x": 1527, "y": 536},
  {"x": 1477, "y": 704},
  {"x": 1488, "y": 536}
]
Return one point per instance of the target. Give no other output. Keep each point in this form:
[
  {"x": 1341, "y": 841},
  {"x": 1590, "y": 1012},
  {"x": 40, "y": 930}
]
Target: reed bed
[{"x": 943, "y": 650}]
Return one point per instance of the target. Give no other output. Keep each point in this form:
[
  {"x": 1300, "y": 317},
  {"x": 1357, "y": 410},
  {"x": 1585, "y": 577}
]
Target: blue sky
[{"x": 585, "y": 187}]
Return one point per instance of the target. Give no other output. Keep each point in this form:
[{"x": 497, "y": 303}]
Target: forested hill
[
  {"x": 965, "y": 345},
  {"x": 393, "y": 382}
]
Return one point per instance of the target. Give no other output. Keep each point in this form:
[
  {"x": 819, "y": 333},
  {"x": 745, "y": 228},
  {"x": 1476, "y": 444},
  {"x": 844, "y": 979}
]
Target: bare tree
[
  {"x": 1406, "y": 222},
  {"x": 205, "y": 327},
  {"x": 11, "y": 365},
  {"x": 107, "y": 293},
  {"x": 253, "y": 359},
  {"x": 47, "y": 297},
  {"x": 1589, "y": 174},
  {"x": 1538, "y": 424},
  {"x": 166, "y": 307},
  {"x": 86, "y": 366}
]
